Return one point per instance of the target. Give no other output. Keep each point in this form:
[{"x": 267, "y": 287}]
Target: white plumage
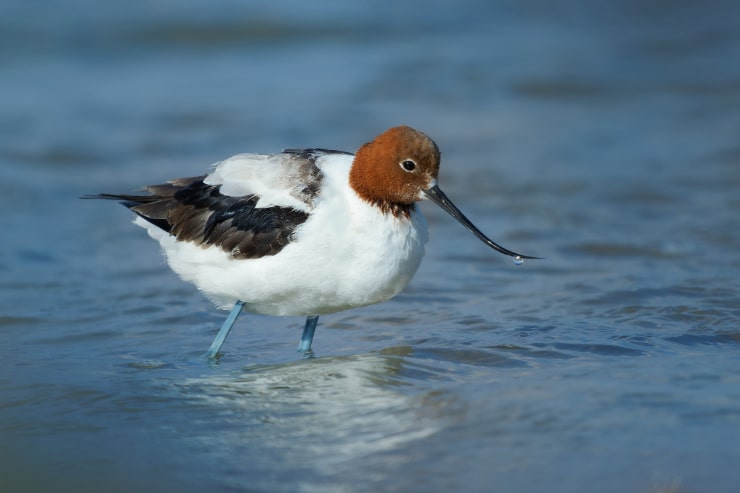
[{"x": 348, "y": 253}]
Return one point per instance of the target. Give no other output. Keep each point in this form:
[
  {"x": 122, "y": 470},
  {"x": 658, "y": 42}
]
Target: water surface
[{"x": 603, "y": 138}]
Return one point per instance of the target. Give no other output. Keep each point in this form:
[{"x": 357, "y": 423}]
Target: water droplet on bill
[{"x": 518, "y": 260}]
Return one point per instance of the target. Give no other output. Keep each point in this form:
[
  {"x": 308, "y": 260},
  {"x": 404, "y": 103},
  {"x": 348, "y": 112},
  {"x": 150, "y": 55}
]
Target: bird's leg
[
  {"x": 225, "y": 329},
  {"x": 308, "y": 331}
]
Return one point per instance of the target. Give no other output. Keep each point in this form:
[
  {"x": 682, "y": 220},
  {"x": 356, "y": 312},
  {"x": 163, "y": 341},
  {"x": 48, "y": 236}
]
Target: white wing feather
[{"x": 277, "y": 179}]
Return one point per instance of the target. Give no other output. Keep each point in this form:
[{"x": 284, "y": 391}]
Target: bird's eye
[{"x": 408, "y": 165}]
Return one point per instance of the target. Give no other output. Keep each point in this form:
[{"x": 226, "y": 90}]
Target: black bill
[{"x": 438, "y": 197}]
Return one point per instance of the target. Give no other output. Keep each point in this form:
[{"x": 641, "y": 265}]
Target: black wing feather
[{"x": 194, "y": 211}]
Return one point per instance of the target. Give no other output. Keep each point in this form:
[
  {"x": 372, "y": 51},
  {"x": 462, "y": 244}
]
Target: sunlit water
[{"x": 602, "y": 138}]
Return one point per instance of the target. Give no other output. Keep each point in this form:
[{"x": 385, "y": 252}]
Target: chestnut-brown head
[
  {"x": 396, "y": 167},
  {"x": 399, "y": 167}
]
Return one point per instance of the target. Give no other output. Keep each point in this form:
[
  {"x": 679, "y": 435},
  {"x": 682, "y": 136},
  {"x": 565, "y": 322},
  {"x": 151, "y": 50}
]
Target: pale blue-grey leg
[
  {"x": 308, "y": 331},
  {"x": 225, "y": 329}
]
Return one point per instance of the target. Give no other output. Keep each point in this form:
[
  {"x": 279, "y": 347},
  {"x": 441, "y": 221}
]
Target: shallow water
[{"x": 602, "y": 138}]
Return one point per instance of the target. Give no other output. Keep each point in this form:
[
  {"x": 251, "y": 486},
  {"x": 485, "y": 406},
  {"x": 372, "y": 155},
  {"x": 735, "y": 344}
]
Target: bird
[{"x": 303, "y": 232}]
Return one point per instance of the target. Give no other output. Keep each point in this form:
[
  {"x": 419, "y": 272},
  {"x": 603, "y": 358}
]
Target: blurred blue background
[{"x": 600, "y": 135}]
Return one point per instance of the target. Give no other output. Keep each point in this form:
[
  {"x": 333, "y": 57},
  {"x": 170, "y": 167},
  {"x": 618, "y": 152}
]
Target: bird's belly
[{"x": 317, "y": 274}]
